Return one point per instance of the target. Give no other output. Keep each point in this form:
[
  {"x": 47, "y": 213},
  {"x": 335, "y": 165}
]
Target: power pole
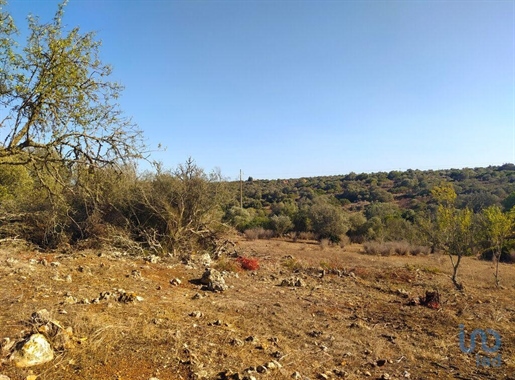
[{"x": 241, "y": 191}]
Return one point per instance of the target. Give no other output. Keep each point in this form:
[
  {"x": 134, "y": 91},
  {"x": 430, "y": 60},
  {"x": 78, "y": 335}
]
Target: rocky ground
[{"x": 308, "y": 312}]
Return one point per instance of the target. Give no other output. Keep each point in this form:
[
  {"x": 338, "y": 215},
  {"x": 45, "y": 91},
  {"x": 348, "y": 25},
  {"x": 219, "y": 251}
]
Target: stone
[
  {"x": 213, "y": 280},
  {"x": 6, "y": 345},
  {"x": 293, "y": 282},
  {"x": 153, "y": 259},
  {"x": 175, "y": 281},
  {"x": 3, "y": 377},
  {"x": 296, "y": 375},
  {"x": 204, "y": 259},
  {"x": 34, "y": 351}
]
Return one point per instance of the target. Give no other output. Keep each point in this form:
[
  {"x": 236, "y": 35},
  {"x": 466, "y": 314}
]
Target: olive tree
[
  {"x": 499, "y": 227},
  {"x": 60, "y": 111},
  {"x": 457, "y": 235}
]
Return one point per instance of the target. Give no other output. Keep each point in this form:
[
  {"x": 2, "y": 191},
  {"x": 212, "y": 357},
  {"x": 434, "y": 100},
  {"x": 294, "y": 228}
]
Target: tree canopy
[{"x": 59, "y": 106}]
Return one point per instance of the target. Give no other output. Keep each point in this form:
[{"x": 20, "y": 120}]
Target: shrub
[
  {"x": 248, "y": 263},
  {"x": 401, "y": 248},
  {"x": 306, "y": 236},
  {"x": 324, "y": 243},
  {"x": 258, "y": 233},
  {"x": 292, "y": 264},
  {"x": 227, "y": 265}
]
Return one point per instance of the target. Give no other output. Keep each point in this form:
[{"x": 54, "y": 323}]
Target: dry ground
[{"x": 354, "y": 322}]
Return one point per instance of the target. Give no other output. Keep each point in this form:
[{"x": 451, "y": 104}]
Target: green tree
[
  {"x": 281, "y": 224},
  {"x": 455, "y": 227},
  {"x": 59, "y": 107},
  {"x": 328, "y": 220},
  {"x": 498, "y": 227}
]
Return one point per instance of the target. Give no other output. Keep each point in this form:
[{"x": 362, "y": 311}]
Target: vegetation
[{"x": 68, "y": 176}]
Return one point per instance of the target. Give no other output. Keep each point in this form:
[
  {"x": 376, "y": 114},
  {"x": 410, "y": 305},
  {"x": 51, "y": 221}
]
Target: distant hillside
[{"x": 477, "y": 188}]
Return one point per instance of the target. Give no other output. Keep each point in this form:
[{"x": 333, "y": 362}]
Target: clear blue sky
[{"x": 285, "y": 89}]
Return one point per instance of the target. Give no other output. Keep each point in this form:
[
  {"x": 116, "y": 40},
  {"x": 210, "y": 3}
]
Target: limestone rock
[
  {"x": 34, "y": 351},
  {"x": 213, "y": 280}
]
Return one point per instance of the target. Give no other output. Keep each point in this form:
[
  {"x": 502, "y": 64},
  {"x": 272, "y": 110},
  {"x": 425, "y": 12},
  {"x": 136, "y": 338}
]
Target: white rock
[{"x": 35, "y": 351}]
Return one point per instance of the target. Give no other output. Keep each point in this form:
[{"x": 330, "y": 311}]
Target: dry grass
[{"x": 348, "y": 320}]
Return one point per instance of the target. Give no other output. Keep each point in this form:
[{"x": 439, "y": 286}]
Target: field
[{"x": 339, "y": 314}]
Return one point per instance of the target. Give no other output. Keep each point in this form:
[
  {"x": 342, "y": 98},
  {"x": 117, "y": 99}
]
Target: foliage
[
  {"x": 281, "y": 224},
  {"x": 455, "y": 227},
  {"x": 60, "y": 109},
  {"x": 499, "y": 227},
  {"x": 248, "y": 263},
  {"x": 328, "y": 220},
  {"x": 182, "y": 208}
]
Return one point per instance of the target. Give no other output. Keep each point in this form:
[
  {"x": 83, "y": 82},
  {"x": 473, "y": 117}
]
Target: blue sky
[{"x": 286, "y": 89}]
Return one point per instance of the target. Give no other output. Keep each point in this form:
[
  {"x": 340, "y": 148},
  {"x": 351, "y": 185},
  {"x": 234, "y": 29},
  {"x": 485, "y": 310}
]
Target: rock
[
  {"x": 296, "y": 375},
  {"x": 34, "y": 351},
  {"x": 175, "y": 281},
  {"x": 136, "y": 273},
  {"x": 40, "y": 317},
  {"x": 213, "y": 280},
  {"x": 273, "y": 365},
  {"x": 68, "y": 278},
  {"x": 196, "y": 314},
  {"x": 293, "y": 282},
  {"x": 3, "y": 377},
  {"x": 153, "y": 259},
  {"x": 385, "y": 376},
  {"x": 6, "y": 345},
  {"x": 128, "y": 297},
  {"x": 70, "y": 300},
  {"x": 204, "y": 259},
  {"x": 237, "y": 342},
  {"x": 261, "y": 369}
]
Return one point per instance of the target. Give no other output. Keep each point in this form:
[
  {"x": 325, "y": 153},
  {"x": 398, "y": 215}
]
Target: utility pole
[{"x": 241, "y": 191}]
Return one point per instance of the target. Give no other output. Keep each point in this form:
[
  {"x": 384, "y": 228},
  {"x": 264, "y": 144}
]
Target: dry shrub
[
  {"x": 227, "y": 265},
  {"x": 248, "y": 263},
  {"x": 258, "y": 233},
  {"x": 344, "y": 241},
  {"x": 401, "y": 248},
  {"x": 420, "y": 250},
  {"x": 376, "y": 248},
  {"x": 306, "y": 236},
  {"x": 292, "y": 264},
  {"x": 324, "y": 243}
]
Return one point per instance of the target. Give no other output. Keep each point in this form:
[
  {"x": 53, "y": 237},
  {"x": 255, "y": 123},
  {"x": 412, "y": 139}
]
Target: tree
[
  {"x": 60, "y": 110},
  {"x": 328, "y": 220},
  {"x": 281, "y": 224},
  {"x": 454, "y": 226},
  {"x": 498, "y": 226}
]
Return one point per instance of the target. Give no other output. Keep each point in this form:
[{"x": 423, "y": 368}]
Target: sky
[{"x": 295, "y": 88}]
